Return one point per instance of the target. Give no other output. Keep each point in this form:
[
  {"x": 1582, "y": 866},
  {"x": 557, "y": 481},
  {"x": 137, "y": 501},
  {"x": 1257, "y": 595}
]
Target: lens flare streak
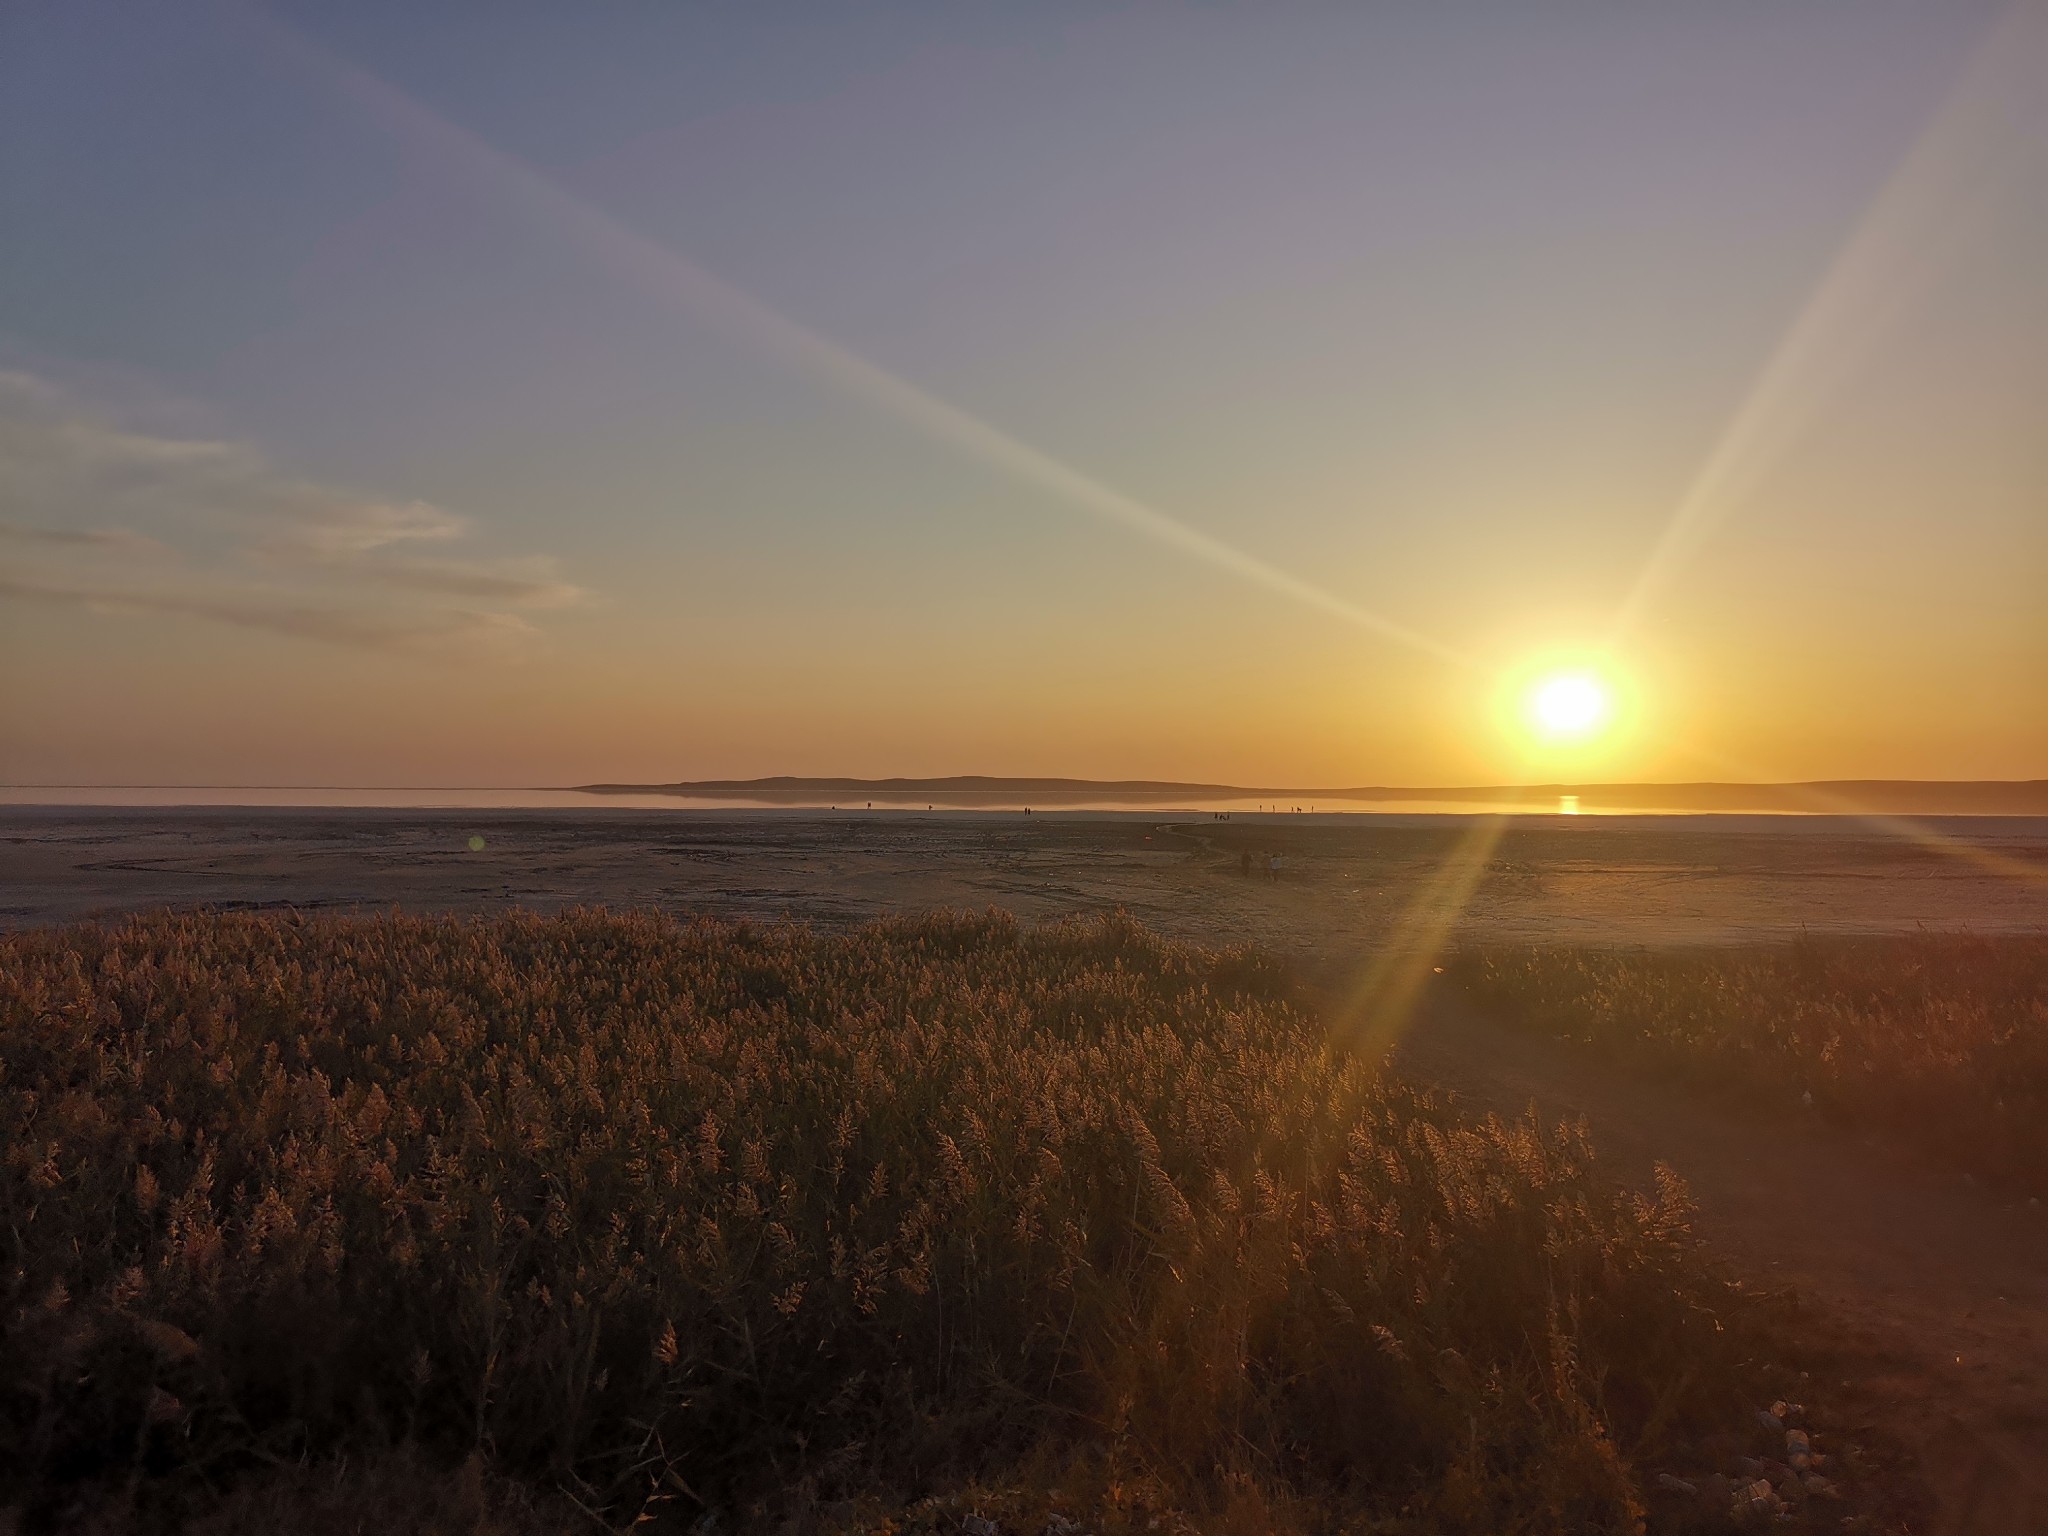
[{"x": 680, "y": 285}]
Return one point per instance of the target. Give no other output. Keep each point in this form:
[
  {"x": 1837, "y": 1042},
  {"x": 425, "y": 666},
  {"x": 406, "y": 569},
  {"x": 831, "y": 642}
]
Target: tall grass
[
  {"x": 1941, "y": 1040},
  {"x": 681, "y": 1219}
]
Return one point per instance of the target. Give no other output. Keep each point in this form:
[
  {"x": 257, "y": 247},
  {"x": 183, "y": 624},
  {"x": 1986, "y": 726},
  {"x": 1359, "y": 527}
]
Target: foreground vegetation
[
  {"x": 627, "y": 1220},
  {"x": 1941, "y": 1040}
]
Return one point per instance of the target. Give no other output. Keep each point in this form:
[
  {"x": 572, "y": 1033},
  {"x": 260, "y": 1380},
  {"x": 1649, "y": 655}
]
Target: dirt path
[{"x": 1936, "y": 1290}]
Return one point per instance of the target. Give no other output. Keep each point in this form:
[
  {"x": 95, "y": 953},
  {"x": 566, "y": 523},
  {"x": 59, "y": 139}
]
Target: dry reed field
[
  {"x": 1940, "y": 1040},
  {"x": 585, "y": 1220}
]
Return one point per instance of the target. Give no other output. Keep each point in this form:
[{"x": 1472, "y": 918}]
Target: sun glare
[{"x": 1570, "y": 706}]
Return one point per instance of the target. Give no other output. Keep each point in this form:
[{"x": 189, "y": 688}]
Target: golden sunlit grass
[
  {"x": 1936, "y": 1039},
  {"x": 655, "y": 1220}
]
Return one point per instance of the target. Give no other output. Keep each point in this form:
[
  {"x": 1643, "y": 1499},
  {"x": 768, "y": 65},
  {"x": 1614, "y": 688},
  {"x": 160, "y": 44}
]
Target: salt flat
[{"x": 1342, "y": 879}]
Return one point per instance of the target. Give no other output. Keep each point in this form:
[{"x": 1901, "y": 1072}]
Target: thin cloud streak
[
  {"x": 529, "y": 584},
  {"x": 120, "y": 541},
  {"x": 1886, "y": 255},
  {"x": 679, "y": 283},
  {"x": 348, "y": 530},
  {"x": 62, "y": 465},
  {"x": 336, "y": 563},
  {"x": 416, "y": 631}
]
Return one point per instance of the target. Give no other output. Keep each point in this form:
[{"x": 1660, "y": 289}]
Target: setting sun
[{"x": 1570, "y": 706}]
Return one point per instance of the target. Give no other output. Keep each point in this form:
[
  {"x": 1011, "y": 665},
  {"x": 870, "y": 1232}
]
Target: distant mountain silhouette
[{"x": 1881, "y": 797}]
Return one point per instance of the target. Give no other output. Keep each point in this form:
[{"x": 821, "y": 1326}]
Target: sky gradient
[{"x": 1251, "y": 394}]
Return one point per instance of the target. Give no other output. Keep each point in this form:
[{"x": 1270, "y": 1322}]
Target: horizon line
[{"x": 932, "y": 781}]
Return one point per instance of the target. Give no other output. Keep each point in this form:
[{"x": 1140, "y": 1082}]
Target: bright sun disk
[{"x": 1569, "y": 706}]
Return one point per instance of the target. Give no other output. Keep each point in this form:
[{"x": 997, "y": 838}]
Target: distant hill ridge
[{"x": 1897, "y": 797}]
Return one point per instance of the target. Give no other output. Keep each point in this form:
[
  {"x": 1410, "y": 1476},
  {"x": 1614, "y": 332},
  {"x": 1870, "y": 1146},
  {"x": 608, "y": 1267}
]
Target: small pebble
[
  {"x": 1716, "y": 1491},
  {"x": 1672, "y": 1484},
  {"x": 1768, "y": 1419},
  {"x": 1757, "y": 1498}
]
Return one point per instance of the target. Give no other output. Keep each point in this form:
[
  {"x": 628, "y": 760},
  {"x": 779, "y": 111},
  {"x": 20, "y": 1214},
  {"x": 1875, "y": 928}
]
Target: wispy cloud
[
  {"x": 340, "y": 530},
  {"x": 529, "y": 583},
  {"x": 120, "y": 541},
  {"x": 444, "y": 629},
  {"x": 261, "y": 548}
]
